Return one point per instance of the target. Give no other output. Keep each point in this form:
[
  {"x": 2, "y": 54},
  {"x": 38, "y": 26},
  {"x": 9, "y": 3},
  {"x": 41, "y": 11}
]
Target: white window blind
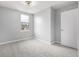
[{"x": 24, "y": 18}]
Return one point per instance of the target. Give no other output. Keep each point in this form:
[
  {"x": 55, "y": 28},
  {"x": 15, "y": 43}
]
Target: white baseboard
[
  {"x": 15, "y": 40},
  {"x": 55, "y": 42},
  {"x": 59, "y": 44}
]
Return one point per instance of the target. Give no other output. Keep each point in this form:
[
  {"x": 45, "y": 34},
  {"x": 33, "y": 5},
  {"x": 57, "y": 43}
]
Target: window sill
[{"x": 24, "y": 30}]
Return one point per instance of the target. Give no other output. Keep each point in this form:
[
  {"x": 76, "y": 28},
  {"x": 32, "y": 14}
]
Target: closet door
[{"x": 68, "y": 28}]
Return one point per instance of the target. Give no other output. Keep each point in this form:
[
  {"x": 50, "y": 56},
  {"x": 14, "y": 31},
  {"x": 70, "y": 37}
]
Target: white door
[{"x": 68, "y": 28}]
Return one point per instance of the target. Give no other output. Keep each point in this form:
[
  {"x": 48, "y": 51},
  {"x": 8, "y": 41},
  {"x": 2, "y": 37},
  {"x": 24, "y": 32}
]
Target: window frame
[{"x": 25, "y": 30}]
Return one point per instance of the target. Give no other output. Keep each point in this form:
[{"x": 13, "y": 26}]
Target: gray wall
[
  {"x": 58, "y": 19},
  {"x": 10, "y": 25},
  {"x": 53, "y": 25}
]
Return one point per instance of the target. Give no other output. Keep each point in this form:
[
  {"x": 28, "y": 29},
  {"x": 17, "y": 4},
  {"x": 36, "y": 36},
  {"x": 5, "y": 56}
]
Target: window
[
  {"x": 24, "y": 18},
  {"x": 24, "y": 22}
]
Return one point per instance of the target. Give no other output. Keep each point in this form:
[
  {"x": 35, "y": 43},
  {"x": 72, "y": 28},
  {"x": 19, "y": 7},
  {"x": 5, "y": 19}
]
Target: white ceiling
[{"x": 38, "y": 6}]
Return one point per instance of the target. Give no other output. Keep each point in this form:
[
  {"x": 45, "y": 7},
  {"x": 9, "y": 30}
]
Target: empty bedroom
[{"x": 39, "y": 28}]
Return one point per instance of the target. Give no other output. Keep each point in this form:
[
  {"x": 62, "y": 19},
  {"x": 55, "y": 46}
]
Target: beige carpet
[{"x": 35, "y": 48}]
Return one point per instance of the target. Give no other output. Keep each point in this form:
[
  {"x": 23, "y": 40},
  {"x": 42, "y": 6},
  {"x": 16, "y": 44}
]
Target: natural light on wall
[{"x": 38, "y": 20}]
